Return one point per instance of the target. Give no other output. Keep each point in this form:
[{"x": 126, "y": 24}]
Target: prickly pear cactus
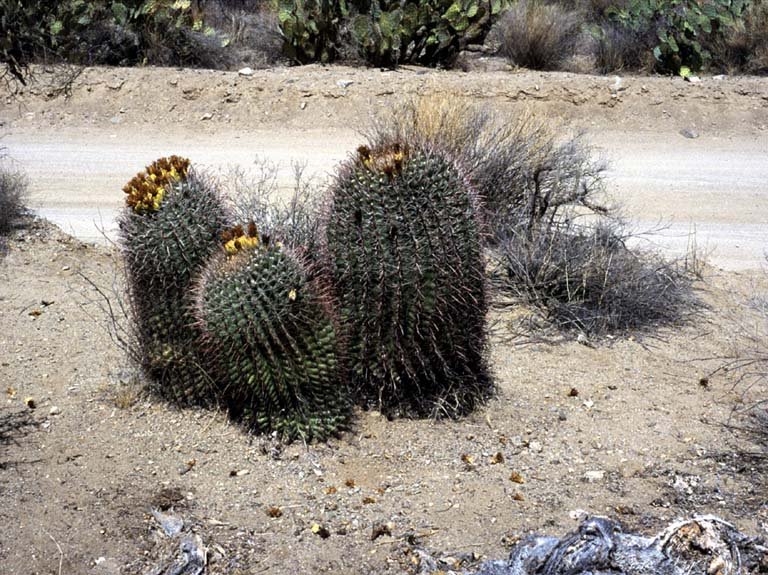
[
  {"x": 388, "y": 32},
  {"x": 272, "y": 339},
  {"x": 310, "y": 28},
  {"x": 169, "y": 228},
  {"x": 404, "y": 254}
]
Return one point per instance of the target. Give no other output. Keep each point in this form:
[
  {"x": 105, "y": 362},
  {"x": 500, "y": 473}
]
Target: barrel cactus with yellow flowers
[
  {"x": 403, "y": 243},
  {"x": 169, "y": 228},
  {"x": 272, "y": 338}
]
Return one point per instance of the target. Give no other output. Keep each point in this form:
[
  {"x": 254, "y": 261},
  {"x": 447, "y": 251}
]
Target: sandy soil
[{"x": 639, "y": 439}]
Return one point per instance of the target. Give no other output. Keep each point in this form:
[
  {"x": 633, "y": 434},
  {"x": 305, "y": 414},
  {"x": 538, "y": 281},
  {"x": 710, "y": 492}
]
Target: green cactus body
[
  {"x": 404, "y": 251},
  {"x": 274, "y": 343},
  {"x": 165, "y": 245}
]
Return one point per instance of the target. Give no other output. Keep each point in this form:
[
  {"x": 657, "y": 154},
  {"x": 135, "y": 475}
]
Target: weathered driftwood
[{"x": 700, "y": 546}]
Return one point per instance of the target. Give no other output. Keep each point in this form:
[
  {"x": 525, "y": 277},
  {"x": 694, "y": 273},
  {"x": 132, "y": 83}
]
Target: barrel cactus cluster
[{"x": 389, "y": 313}]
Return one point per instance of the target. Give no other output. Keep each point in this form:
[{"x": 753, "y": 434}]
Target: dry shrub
[
  {"x": 290, "y": 216},
  {"x": 252, "y": 28},
  {"x": 168, "y": 46},
  {"x": 585, "y": 278},
  {"x": 14, "y": 424},
  {"x": 13, "y": 193},
  {"x": 507, "y": 157},
  {"x": 750, "y": 367},
  {"x": 618, "y": 48},
  {"x": 536, "y": 35},
  {"x": 744, "y": 46}
]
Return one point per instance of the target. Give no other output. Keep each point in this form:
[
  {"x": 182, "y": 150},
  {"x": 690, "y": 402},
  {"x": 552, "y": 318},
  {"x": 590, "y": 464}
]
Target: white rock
[
  {"x": 245, "y": 71},
  {"x": 344, "y": 84},
  {"x": 55, "y": 410},
  {"x": 594, "y": 476},
  {"x": 578, "y": 514}
]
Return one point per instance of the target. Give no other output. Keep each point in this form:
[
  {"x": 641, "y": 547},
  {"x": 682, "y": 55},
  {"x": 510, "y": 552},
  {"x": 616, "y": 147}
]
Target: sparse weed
[{"x": 126, "y": 396}]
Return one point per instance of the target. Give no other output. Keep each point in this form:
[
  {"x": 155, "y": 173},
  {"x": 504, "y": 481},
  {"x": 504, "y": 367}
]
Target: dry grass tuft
[
  {"x": 537, "y": 35},
  {"x": 127, "y": 395},
  {"x": 13, "y": 194},
  {"x": 507, "y": 157}
]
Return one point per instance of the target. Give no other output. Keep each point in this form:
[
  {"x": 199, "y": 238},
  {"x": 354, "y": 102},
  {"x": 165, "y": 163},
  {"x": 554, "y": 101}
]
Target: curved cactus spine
[
  {"x": 169, "y": 228},
  {"x": 404, "y": 251},
  {"x": 273, "y": 340}
]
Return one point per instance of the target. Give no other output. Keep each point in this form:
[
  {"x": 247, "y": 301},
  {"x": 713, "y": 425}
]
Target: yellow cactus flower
[
  {"x": 238, "y": 239},
  {"x": 147, "y": 189}
]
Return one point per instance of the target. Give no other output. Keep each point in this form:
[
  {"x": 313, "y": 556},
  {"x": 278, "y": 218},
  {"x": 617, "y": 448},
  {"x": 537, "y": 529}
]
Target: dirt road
[
  {"x": 711, "y": 186},
  {"x": 79, "y": 151}
]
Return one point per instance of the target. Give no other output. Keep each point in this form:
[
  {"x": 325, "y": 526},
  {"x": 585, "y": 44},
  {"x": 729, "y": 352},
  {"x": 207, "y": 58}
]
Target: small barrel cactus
[
  {"x": 404, "y": 253},
  {"x": 271, "y": 338},
  {"x": 169, "y": 229}
]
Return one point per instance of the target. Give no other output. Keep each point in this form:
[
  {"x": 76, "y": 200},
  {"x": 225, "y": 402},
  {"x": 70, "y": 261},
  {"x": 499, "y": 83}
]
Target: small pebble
[{"x": 689, "y": 133}]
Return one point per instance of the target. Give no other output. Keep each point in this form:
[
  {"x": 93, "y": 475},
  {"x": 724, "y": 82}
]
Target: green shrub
[
  {"x": 169, "y": 229},
  {"x": 272, "y": 340},
  {"x": 125, "y": 32},
  {"x": 744, "y": 47},
  {"x": 405, "y": 260},
  {"x": 311, "y": 29},
  {"x": 384, "y": 32}
]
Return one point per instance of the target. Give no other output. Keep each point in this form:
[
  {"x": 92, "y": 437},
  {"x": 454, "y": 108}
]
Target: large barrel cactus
[
  {"x": 169, "y": 228},
  {"x": 404, "y": 251},
  {"x": 273, "y": 341}
]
